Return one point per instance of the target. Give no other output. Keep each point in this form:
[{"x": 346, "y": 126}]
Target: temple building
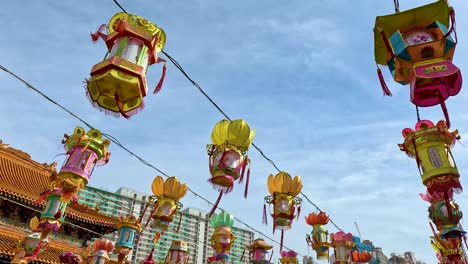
[{"x": 21, "y": 182}]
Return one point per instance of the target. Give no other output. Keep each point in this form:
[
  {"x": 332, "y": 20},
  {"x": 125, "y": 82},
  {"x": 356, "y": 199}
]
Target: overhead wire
[{"x": 116, "y": 142}]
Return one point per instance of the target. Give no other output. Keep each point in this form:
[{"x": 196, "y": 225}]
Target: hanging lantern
[
  {"x": 102, "y": 248},
  {"x": 54, "y": 213},
  {"x": 177, "y": 252},
  {"x": 222, "y": 238},
  {"x": 430, "y": 145},
  {"x": 118, "y": 83},
  {"x": 342, "y": 243},
  {"x": 361, "y": 257},
  {"x": 127, "y": 227},
  {"x": 449, "y": 251},
  {"x": 319, "y": 239},
  {"x": 34, "y": 243},
  {"x": 228, "y": 155},
  {"x": 84, "y": 150},
  {"x": 259, "y": 252},
  {"x": 166, "y": 202},
  {"x": 289, "y": 257},
  {"x": 445, "y": 214},
  {"x": 70, "y": 258},
  {"x": 283, "y": 189},
  {"x": 418, "y": 48}
]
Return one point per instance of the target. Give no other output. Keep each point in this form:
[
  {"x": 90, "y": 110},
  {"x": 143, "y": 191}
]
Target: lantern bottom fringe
[
  {"x": 441, "y": 184},
  {"x": 220, "y": 188}
]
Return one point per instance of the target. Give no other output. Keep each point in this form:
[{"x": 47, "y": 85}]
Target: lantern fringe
[
  {"x": 264, "y": 219},
  {"x": 96, "y": 105},
  {"x": 220, "y": 188},
  {"x": 241, "y": 179},
  {"x": 161, "y": 80},
  {"x": 98, "y": 34},
  {"x": 216, "y": 204},
  {"x": 246, "y": 190},
  {"x": 384, "y": 86}
]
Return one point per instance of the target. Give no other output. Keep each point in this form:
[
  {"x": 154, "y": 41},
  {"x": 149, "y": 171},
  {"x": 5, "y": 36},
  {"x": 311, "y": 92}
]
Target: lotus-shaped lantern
[
  {"x": 102, "y": 248},
  {"x": 361, "y": 257},
  {"x": 342, "y": 242},
  {"x": 319, "y": 238},
  {"x": 289, "y": 257}
]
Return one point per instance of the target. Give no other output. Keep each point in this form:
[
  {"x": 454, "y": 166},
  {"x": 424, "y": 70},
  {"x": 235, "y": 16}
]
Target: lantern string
[
  {"x": 417, "y": 114},
  {"x": 117, "y": 3},
  {"x": 116, "y": 142}
]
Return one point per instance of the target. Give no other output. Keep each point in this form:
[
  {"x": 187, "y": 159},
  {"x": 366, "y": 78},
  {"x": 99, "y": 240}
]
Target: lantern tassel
[
  {"x": 265, "y": 219},
  {"x": 216, "y": 204},
  {"x": 281, "y": 241},
  {"x": 384, "y": 86},
  {"x": 246, "y": 190},
  {"x": 117, "y": 101},
  {"x": 156, "y": 205},
  {"x": 241, "y": 179},
  {"x": 180, "y": 221},
  {"x": 98, "y": 34},
  {"x": 161, "y": 80}
]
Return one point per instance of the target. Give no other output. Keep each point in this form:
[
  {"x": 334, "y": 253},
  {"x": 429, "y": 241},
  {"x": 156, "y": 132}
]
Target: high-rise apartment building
[{"x": 194, "y": 227}]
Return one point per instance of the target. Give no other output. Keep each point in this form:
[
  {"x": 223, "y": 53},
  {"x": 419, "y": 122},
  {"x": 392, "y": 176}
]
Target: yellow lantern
[
  {"x": 283, "y": 189},
  {"x": 118, "y": 83},
  {"x": 166, "y": 201},
  {"x": 430, "y": 145}
]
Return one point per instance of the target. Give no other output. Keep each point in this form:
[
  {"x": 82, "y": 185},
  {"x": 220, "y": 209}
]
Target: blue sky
[{"x": 302, "y": 74}]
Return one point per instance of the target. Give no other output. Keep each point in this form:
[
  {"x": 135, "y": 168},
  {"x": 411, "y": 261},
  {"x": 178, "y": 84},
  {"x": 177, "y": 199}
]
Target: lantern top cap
[
  {"x": 288, "y": 254},
  {"x": 317, "y": 219},
  {"x": 341, "y": 236},
  {"x": 222, "y": 220},
  {"x": 171, "y": 188},
  {"x": 235, "y": 134},
  {"x": 259, "y": 243},
  {"x": 389, "y": 24},
  {"x": 129, "y": 221},
  {"x": 91, "y": 139},
  {"x": 285, "y": 184}
]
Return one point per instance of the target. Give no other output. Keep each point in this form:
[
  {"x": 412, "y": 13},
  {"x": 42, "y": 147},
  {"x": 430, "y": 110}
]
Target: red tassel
[
  {"x": 385, "y": 89},
  {"x": 161, "y": 81},
  {"x": 98, "y": 34},
  {"x": 216, "y": 204},
  {"x": 265, "y": 219},
  {"x": 271, "y": 255},
  {"x": 241, "y": 179},
  {"x": 444, "y": 109},
  {"x": 117, "y": 101},
  {"x": 58, "y": 214},
  {"x": 156, "y": 205},
  {"x": 247, "y": 184},
  {"x": 281, "y": 241},
  {"x": 37, "y": 250},
  {"x": 180, "y": 221}
]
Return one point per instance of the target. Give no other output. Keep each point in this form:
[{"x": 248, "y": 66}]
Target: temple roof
[{"x": 23, "y": 179}]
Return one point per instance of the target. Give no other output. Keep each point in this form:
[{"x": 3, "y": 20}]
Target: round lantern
[
  {"x": 418, "y": 49},
  {"x": 118, "y": 83},
  {"x": 85, "y": 150},
  {"x": 342, "y": 243},
  {"x": 228, "y": 155},
  {"x": 430, "y": 145},
  {"x": 222, "y": 238},
  {"x": 319, "y": 239},
  {"x": 166, "y": 201},
  {"x": 289, "y": 257},
  {"x": 259, "y": 251}
]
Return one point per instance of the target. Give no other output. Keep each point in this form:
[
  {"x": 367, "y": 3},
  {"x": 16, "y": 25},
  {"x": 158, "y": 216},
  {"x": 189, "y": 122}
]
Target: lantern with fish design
[
  {"x": 284, "y": 190},
  {"x": 418, "y": 46},
  {"x": 222, "y": 238},
  {"x": 118, "y": 83},
  {"x": 319, "y": 239},
  {"x": 228, "y": 155},
  {"x": 431, "y": 147},
  {"x": 166, "y": 202}
]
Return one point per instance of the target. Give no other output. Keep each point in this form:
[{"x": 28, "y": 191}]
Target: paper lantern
[
  {"x": 319, "y": 239},
  {"x": 177, "y": 252},
  {"x": 259, "y": 251},
  {"x": 342, "y": 243},
  {"x": 127, "y": 228},
  {"x": 222, "y": 238},
  {"x": 228, "y": 155},
  {"x": 289, "y": 257},
  {"x": 361, "y": 257},
  {"x": 118, "y": 83},
  {"x": 102, "y": 248},
  {"x": 418, "y": 48}
]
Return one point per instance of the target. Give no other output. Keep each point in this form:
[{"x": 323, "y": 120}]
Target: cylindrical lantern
[
  {"x": 259, "y": 251},
  {"x": 127, "y": 227},
  {"x": 319, "y": 239},
  {"x": 289, "y": 257},
  {"x": 342, "y": 243},
  {"x": 54, "y": 214},
  {"x": 284, "y": 189},
  {"x": 166, "y": 201},
  {"x": 430, "y": 145},
  {"x": 222, "y": 238},
  {"x": 228, "y": 155},
  {"x": 85, "y": 150},
  {"x": 102, "y": 248},
  {"x": 177, "y": 252},
  {"x": 118, "y": 83}
]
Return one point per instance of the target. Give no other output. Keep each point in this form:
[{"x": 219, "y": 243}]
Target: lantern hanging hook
[{"x": 417, "y": 111}]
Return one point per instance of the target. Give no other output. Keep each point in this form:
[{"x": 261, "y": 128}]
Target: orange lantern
[{"x": 319, "y": 239}]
